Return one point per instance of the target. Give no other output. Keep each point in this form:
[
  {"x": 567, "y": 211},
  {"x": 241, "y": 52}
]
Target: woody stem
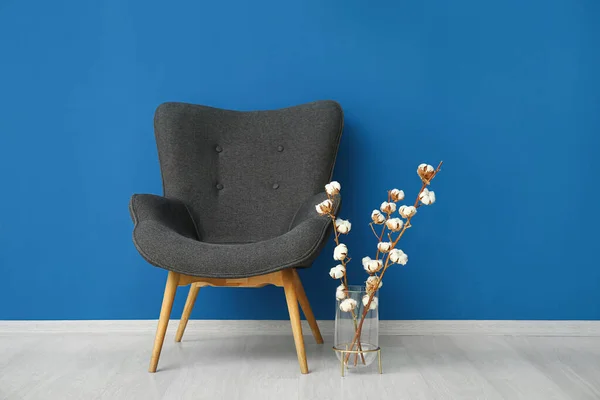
[{"x": 394, "y": 243}]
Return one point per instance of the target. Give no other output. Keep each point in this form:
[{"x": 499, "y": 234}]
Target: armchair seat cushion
[{"x": 163, "y": 247}]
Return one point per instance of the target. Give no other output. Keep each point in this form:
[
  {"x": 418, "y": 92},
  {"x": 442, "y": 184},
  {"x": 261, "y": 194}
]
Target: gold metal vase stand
[{"x": 346, "y": 351}]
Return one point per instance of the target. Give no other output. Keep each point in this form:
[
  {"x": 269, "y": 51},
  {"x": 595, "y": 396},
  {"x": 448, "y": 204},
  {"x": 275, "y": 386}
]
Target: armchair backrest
[{"x": 244, "y": 174}]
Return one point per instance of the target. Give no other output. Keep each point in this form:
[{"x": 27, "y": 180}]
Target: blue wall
[{"x": 506, "y": 93}]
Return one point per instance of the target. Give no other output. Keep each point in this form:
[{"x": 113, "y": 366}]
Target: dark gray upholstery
[{"x": 239, "y": 189}]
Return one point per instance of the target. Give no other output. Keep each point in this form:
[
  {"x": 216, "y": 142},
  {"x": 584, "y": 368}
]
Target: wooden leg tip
[{"x": 153, "y": 366}]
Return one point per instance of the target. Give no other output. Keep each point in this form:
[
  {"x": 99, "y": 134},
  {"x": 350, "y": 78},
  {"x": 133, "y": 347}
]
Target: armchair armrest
[
  {"x": 307, "y": 210},
  {"x": 171, "y": 213}
]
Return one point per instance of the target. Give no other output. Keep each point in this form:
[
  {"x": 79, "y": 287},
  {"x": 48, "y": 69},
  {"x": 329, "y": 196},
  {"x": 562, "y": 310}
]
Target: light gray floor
[{"x": 236, "y": 366}]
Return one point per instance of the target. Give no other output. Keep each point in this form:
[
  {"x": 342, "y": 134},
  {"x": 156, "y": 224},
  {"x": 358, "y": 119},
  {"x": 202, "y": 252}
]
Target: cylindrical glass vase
[{"x": 357, "y": 349}]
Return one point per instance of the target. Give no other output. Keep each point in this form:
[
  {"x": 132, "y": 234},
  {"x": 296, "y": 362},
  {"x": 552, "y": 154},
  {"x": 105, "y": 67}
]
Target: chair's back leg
[
  {"x": 163, "y": 321},
  {"x": 305, "y": 305},
  {"x": 292, "y": 303},
  {"x": 187, "y": 310}
]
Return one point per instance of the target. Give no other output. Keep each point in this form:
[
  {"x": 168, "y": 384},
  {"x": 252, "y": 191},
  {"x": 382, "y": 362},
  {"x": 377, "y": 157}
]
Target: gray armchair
[{"x": 238, "y": 205}]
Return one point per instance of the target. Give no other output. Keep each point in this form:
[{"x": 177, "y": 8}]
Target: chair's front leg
[
  {"x": 163, "y": 321},
  {"x": 292, "y": 303}
]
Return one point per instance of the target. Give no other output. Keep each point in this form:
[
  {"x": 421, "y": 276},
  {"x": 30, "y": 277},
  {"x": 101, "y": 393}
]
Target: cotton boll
[
  {"x": 394, "y": 224},
  {"x": 337, "y": 272},
  {"x": 425, "y": 172},
  {"x": 342, "y": 226},
  {"x": 384, "y": 247},
  {"x": 396, "y": 195},
  {"x": 397, "y": 256},
  {"x": 348, "y": 305},
  {"x": 427, "y": 197},
  {"x": 377, "y": 217},
  {"x": 371, "y": 282},
  {"x": 374, "y": 302},
  {"x": 407, "y": 211},
  {"x": 387, "y": 208},
  {"x": 340, "y": 292},
  {"x": 373, "y": 266},
  {"x": 402, "y": 211},
  {"x": 340, "y": 252},
  {"x": 333, "y": 188},
  {"x": 431, "y": 197},
  {"x": 324, "y": 207},
  {"x": 425, "y": 169}
]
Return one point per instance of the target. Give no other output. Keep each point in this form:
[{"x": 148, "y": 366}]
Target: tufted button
[
  {"x": 218, "y": 149},
  {"x": 275, "y": 185},
  {"x": 219, "y": 186},
  {"x": 280, "y": 148}
]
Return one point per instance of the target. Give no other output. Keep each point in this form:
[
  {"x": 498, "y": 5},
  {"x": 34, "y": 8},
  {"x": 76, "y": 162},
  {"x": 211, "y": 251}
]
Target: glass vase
[{"x": 357, "y": 350}]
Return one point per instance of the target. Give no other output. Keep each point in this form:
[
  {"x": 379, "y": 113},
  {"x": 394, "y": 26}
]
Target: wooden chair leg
[
  {"x": 163, "y": 321},
  {"x": 292, "y": 303},
  {"x": 305, "y": 305},
  {"x": 187, "y": 310}
]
